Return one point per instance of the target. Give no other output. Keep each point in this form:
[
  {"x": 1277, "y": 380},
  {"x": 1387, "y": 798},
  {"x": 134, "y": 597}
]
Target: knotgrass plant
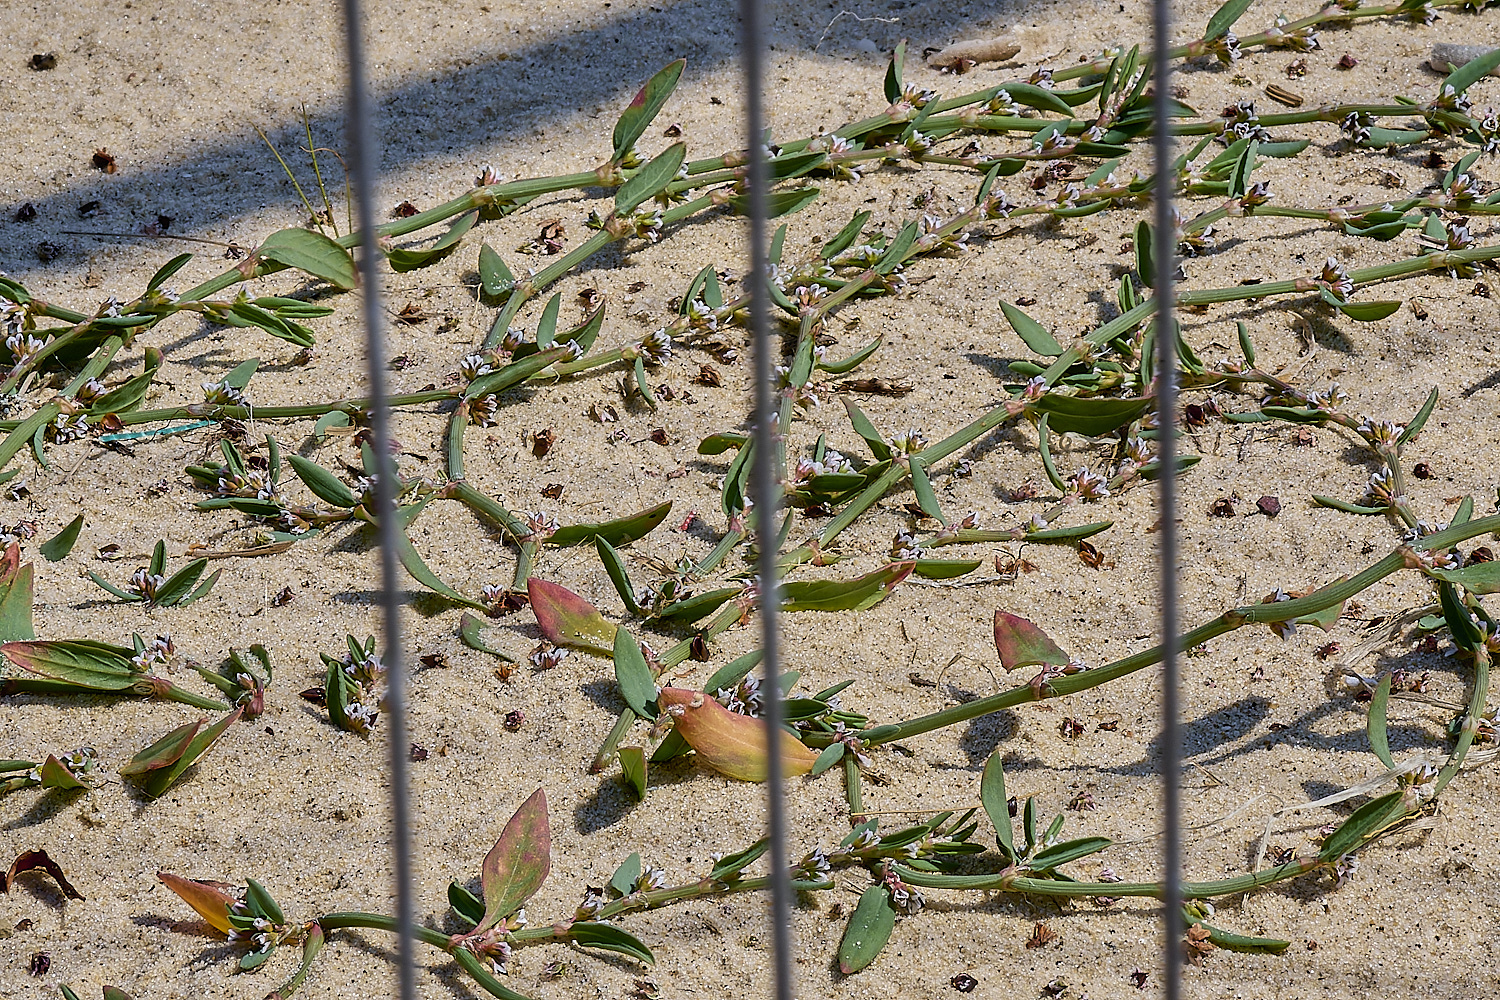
[{"x": 1098, "y": 386}]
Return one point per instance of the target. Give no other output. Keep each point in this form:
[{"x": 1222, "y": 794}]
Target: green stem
[{"x": 1009, "y": 881}]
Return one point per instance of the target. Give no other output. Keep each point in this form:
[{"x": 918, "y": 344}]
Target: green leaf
[
  {"x": 1068, "y": 850},
  {"x": 1247, "y": 346},
  {"x": 633, "y": 769},
  {"x": 1241, "y": 943},
  {"x": 893, "y": 84},
  {"x": 403, "y": 260},
  {"x": 643, "y": 388},
  {"x": 1239, "y": 176},
  {"x": 495, "y": 278},
  {"x": 514, "y": 373},
  {"x": 158, "y": 563},
  {"x": 637, "y": 683},
  {"x": 1092, "y": 416},
  {"x": 699, "y": 606},
  {"x": 831, "y": 755},
  {"x": 261, "y": 903},
  {"x": 946, "y": 569},
  {"x": 646, "y": 105},
  {"x": 1470, "y": 72},
  {"x": 1478, "y": 578},
  {"x": 1029, "y": 330},
  {"x": 568, "y": 620},
  {"x": 1420, "y": 420},
  {"x": 168, "y": 269},
  {"x": 1044, "y": 448},
  {"x": 862, "y": 426},
  {"x": 1145, "y": 266},
  {"x": 621, "y": 531},
  {"x": 779, "y": 203},
  {"x": 312, "y": 252},
  {"x": 868, "y": 930},
  {"x": 1364, "y": 823},
  {"x": 1375, "y": 725},
  {"x": 55, "y": 774},
  {"x": 624, "y": 878},
  {"x": 178, "y": 588},
  {"x": 323, "y": 484},
  {"x": 619, "y": 575},
  {"x": 519, "y": 862},
  {"x": 17, "y": 587},
  {"x": 733, "y": 672},
  {"x": 1021, "y": 643},
  {"x": 1040, "y": 98},
  {"x": 846, "y": 236},
  {"x": 546, "y": 327},
  {"x": 858, "y": 594},
  {"x": 174, "y": 758},
  {"x": 607, "y": 937},
  {"x": 419, "y": 571},
  {"x": 1367, "y": 312},
  {"x": 852, "y": 361},
  {"x": 895, "y": 253},
  {"x": 728, "y": 868},
  {"x": 650, "y": 179},
  {"x": 1224, "y": 19},
  {"x": 996, "y": 804},
  {"x": 95, "y": 666},
  {"x": 471, "y": 631},
  {"x": 922, "y": 486}
]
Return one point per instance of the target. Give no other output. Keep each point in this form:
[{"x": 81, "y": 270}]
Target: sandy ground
[{"x": 173, "y": 89}]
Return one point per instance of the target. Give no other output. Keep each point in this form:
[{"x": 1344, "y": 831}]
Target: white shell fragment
[
  {"x": 975, "y": 50},
  {"x": 1448, "y": 56}
]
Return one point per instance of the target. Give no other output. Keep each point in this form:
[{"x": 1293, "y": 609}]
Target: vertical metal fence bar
[
  {"x": 363, "y": 159},
  {"x": 765, "y": 491},
  {"x": 1163, "y": 253}
]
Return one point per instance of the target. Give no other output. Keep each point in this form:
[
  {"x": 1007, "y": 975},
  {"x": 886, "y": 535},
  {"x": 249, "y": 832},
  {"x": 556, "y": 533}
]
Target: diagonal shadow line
[{"x": 574, "y": 71}]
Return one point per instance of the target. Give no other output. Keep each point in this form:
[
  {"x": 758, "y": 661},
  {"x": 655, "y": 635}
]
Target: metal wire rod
[
  {"x": 363, "y": 158},
  {"x": 766, "y": 493},
  {"x": 1164, "y": 253}
]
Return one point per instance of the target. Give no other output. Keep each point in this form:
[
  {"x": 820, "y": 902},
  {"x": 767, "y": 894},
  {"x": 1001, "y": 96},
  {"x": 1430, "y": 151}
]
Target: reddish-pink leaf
[
  {"x": 519, "y": 862},
  {"x": 37, "y": 861},
  {"x": 568, "y": 620},
  {"x": 730, "y": 743},
  {"x": 211, "y": 899},
  {"x": 1022, "y": 644}
]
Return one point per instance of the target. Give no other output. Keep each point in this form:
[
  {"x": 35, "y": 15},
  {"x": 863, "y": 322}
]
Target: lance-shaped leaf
[
  {"x": 1021, "y": 644},
  {"x": 858, "y": 594},
  {"x": 177, "y": 589},
  {"x": 519, "y": 862},
  {"x": 619, "y": 575},
  {"x": 1029, "y": 330},
  {"x": 1376, "y": 724},
  {"x": 1224, "y": 18},
  {"x": 323, "y": 484},
  {"x": 646, "y": 105},
  {"x": 623, "y": 880},
  {"x": 96, "y": 666},
  {"x": 55, "y": 548},
  {"x": 650, "y": 179},
  {"x": 1068, "y": 850},
  {"x": 210, "y": 899},
  {"x": 16, "y": 595},
  {"x": 419, "y": 571},
  {"x": 946, "y": 569},
  {"x": 637, "y": 683},
  {"x": 409, "y": 260},
  {"x": 160, "y": 765},
  {"x": 996, "y": 804},
  {"x": 1480, "y": 578},
  {"x": 494, "y": 277},
  {"x": 621, "y": 531},
  {"x": 471, "y": 631},
  {"x": 1470, "y": 72},
  {"x": 868, "y": 930},
  {"x": 168, "y": 269},
  {"x": 1092, "y": 416},
  {"x": 732, "y": 744},
  {"x": 607, "y": 937},
  {"x": 515, "y": 373},
  {"x": 568, "y": 620},
  {"x": 312, "y": 252}
]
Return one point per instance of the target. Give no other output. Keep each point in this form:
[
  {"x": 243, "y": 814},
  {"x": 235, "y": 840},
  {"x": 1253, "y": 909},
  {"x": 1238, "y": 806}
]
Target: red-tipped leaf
[
  {"x": 519, "y": 862},
  {"x": 568, "y": 620},
  {"x": 1022, "y": 644}
]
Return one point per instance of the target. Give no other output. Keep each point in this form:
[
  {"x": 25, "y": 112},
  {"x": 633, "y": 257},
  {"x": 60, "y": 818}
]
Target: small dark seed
[
  {"x": 26, "y": 213},
  {"x": 1422, "y": 471},
  {"x": 1269, "y": 506},
  {"x": 963, "y": 982},
  {"x": 419, "y": 753},
  {"x": 1346, "y": 61},
  {"x": 514, "y": 719},
  {"x": 42, "y": 61},
  {"x": 1222, "y": 507}
]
